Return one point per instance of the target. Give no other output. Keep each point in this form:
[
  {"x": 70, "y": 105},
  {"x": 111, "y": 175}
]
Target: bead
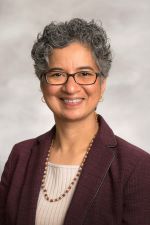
[{"x": 43, "y": 180}]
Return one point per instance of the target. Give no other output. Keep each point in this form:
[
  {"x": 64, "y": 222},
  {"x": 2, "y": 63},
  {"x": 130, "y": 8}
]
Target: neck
[{"x": 75, "y": 136}]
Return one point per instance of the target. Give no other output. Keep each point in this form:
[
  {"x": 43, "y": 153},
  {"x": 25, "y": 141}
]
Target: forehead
[{"x": 72, "y": 56}]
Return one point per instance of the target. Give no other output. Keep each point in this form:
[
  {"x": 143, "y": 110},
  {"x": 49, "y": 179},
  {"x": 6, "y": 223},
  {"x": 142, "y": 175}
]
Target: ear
[
  {"x": 103, "y": 85},
  {"x": 41, "y": 86}
]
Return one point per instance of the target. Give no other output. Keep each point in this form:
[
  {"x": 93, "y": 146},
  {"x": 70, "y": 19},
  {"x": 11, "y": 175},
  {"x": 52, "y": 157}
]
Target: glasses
[{"x": 81, "y": 77}]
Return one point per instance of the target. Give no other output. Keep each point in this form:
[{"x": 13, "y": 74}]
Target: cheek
[
  {"x": 49, "y": 90},
  {"x": 94, "y": 91}
]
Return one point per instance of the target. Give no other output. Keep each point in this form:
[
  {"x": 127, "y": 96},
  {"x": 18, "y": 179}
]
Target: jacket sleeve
[
  {"x": 137, "y": 195},
  {"x": 4, "y": 185}
]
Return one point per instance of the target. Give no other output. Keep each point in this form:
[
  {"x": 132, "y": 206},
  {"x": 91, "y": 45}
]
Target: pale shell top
[{"x": 58, "y": 179}]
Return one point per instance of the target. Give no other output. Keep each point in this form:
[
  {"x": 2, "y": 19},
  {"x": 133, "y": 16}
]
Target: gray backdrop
[{"x": 126, "y": 105}]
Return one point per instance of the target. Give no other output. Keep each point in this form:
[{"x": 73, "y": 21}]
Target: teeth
[{"x": 72, "y": 100}]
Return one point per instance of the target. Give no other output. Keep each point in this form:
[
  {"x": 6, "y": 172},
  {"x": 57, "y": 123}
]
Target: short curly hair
[{"x": 59, "y": 35}]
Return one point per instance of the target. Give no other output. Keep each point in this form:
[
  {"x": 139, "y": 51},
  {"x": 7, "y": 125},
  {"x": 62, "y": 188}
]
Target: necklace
[{"x": 43, "y": 185}]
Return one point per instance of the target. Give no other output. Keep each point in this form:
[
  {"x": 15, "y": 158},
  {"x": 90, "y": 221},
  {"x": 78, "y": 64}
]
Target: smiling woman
[
  {"x": 72, "y": 97},
  {"x": 78, "y": 173}
]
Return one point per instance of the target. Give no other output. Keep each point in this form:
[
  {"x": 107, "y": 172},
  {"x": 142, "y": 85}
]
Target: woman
[{"x": 79, "y": 173}]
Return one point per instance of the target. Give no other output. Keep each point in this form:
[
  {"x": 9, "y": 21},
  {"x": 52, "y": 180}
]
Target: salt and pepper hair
[{"x": 60, "y": 35}]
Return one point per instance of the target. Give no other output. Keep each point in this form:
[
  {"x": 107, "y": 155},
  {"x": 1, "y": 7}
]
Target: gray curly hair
[{"x": 59, "y": 35}]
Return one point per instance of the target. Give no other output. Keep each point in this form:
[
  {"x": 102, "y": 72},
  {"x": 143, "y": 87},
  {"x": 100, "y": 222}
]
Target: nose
[{"x": 71, "y": 86}]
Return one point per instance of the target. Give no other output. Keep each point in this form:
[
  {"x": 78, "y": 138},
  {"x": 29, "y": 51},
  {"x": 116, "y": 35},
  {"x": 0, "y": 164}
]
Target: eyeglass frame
[{"x": 100, "y": 73}]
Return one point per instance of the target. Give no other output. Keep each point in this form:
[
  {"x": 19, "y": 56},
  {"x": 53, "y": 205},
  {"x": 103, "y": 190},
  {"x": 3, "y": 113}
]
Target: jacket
[{"x": 113, "y": 189}]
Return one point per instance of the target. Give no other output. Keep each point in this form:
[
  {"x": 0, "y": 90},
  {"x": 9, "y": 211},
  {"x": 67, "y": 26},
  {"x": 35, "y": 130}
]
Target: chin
[{"x": 72, "y": 116}]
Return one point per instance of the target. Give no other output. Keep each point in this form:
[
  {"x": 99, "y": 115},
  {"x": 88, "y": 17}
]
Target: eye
[
  {"x": 85, "y": 73},
  {"x": 55, "y": 74}
]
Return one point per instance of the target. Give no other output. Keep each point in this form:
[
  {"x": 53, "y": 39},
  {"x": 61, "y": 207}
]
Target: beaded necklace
[{"x": 74, "y": 180}]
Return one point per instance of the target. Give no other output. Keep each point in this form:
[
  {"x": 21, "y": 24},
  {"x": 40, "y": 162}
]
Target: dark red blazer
[{"x": 114, "y": 187}]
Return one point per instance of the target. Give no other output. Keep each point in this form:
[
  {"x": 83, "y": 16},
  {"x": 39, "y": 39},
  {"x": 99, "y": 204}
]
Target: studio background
[{"x": 126, "y": 105}]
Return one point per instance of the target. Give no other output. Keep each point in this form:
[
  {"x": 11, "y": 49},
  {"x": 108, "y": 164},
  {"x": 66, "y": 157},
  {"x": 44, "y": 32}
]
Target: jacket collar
[{"x": 92, "y": 177}]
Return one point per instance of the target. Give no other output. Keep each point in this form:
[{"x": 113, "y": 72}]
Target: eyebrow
[
  {"x": 79, "y": 68},
  {"x": 85, "y": 68},
  {"x": 55, "y": 68}
]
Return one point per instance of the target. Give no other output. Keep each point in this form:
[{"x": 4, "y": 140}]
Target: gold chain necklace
[{"x": 43, "y": 185}]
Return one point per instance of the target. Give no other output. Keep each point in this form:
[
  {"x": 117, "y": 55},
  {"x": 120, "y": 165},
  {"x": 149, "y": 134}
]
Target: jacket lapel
[
  {"x": 93, "y": 174},
  {"x": 30, "y": 192}
]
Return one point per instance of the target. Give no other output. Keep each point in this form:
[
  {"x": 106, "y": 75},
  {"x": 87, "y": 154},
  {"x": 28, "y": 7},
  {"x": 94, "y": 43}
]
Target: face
[{"x": 72, "y": 101}]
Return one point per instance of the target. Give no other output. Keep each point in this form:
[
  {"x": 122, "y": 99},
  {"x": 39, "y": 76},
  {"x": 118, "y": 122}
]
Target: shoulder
[
  {"x": 128, "y": 156},
  {"x": 24, "y": 148},
  {"x": 130, "y": 151},
  {"x": 21, "y": 152},
  {"x": 126, "y": 153},
  {"x": 20, "y": 156}
]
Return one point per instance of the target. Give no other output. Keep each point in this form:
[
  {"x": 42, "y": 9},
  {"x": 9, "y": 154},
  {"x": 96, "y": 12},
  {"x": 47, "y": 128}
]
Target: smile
[{"x": 72, "y": 101}]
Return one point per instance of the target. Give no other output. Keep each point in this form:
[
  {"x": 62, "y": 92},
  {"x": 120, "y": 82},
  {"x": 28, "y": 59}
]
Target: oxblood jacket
[{"x": 114, "y": 187}]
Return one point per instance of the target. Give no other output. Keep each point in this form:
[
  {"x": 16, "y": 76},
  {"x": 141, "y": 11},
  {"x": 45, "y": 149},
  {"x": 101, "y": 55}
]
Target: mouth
[{"x": 73, "y": 101}]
